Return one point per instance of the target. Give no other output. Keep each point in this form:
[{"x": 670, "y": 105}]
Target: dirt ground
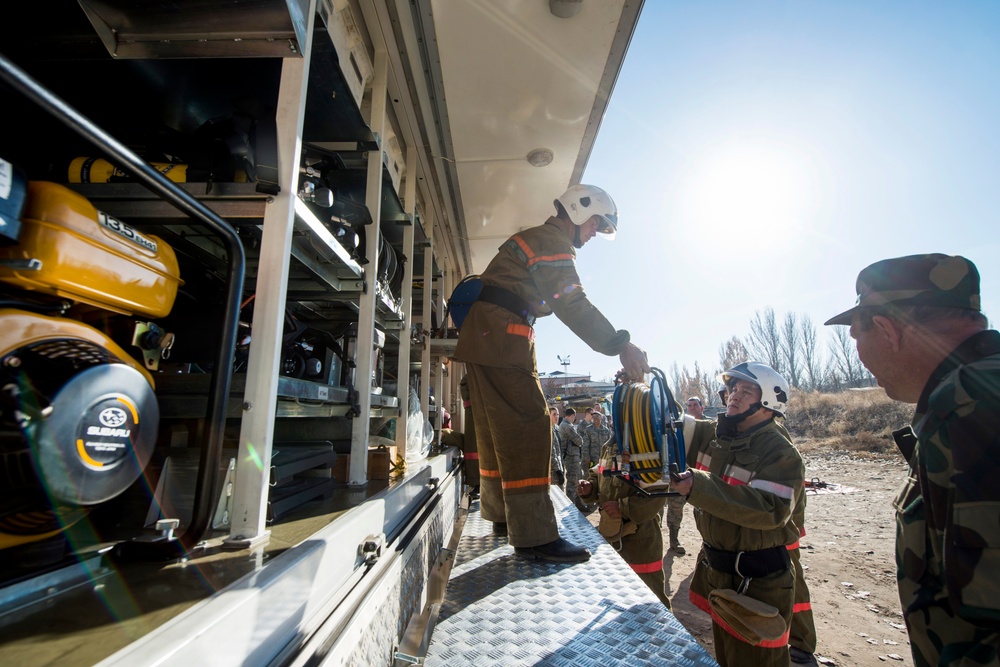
[{"x": 848, "y": 552}]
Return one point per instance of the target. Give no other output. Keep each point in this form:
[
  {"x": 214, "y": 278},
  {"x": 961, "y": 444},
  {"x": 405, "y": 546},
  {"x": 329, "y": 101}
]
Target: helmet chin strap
[
  {"x": 728, "y": 424},
  {"x": 576, "y": 237}
]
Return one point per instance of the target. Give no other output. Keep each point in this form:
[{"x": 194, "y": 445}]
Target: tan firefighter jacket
[
  {"x": 538, "y": 265},
  {"x": 745, "y": 488}
]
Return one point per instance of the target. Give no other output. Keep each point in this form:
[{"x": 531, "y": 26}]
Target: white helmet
[
  {"x": 773, "y": 387},
  {"x": 583, "y": 201}
]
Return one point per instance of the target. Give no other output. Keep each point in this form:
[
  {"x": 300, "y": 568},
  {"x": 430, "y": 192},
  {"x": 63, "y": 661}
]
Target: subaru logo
[{"x": 112, "y": 417}]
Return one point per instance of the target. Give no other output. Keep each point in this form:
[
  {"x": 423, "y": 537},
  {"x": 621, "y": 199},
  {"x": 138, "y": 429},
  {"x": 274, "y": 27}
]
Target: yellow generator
[{"x": 78, "y": 415}]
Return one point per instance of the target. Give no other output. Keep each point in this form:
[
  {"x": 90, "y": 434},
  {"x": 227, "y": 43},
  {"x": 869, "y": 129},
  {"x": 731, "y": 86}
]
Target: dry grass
[{"x": 859, "y": 421}]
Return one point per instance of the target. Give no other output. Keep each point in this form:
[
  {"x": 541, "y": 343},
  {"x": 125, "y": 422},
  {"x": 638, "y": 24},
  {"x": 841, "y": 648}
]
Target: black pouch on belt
[{"x": 752, "y": 564}]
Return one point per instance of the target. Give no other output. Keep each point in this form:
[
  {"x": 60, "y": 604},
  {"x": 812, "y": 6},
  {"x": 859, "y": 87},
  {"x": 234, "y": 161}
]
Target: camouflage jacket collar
[{"x": 975, "y": 347}]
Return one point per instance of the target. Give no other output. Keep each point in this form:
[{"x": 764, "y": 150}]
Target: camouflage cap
[{"x": 916, "y": 280}]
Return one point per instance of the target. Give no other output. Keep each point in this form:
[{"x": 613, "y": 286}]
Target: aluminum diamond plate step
[{"x": 503, "y": 610}]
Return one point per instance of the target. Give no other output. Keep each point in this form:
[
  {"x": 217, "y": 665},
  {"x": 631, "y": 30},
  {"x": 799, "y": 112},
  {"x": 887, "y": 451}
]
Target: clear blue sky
[{"x": 762, "y": 153}]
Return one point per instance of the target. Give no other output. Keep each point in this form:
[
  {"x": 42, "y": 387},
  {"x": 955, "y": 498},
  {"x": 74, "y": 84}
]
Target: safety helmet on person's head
[
  {"x": 773, "y": 387},
  {"x": 581, "y": 202}
]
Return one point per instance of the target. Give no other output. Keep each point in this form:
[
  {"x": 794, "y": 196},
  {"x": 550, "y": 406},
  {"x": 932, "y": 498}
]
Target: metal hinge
[{"x": 371, "y": 548}]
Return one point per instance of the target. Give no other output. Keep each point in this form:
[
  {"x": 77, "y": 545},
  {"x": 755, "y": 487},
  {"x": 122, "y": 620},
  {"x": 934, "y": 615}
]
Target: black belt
[
  {"x": 749, "y": 564},
  {"x": 506, "y": 299}
]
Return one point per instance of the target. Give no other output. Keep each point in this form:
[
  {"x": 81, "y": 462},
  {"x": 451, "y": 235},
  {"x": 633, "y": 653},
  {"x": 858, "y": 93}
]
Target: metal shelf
[
  {"x": 443, "y": 347},
  {"x": 183, "y": 395},
  {"x": 254, "y": 28}
]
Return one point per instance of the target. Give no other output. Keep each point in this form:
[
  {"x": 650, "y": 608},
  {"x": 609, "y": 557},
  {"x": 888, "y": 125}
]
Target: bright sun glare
[{"x": 742, "y": 190}]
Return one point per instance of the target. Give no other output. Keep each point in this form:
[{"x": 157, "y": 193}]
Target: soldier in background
[
  {"x": 593, "y": 440},
  {"x": 920, "y": 330},
  {"x": 557, "y": 473},
  {"x": 572, "y": 451}
]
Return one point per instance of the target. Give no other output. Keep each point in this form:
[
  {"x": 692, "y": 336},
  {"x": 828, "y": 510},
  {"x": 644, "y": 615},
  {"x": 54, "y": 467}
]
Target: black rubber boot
[
  {"x": 500, "y": 529},
  {"x": 559, "y": 551},
  {"x": 800, "y": 657}
]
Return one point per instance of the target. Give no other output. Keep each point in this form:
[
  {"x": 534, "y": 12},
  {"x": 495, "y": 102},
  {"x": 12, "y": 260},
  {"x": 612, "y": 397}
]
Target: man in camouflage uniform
[
  {"x": 533, "y": 275},
  {"x": 748, "y": 477},
  {"x": 919, "y": 329},
  {"x": 556, "y": 471},
  {"x": 640, "y": 545},
  {"x": 572, "y": 451},
  {"x": 594, "y": 439}
]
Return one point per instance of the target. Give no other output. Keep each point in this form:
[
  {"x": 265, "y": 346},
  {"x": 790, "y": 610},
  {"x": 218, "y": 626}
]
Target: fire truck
[{"x": 227, "y": 235}]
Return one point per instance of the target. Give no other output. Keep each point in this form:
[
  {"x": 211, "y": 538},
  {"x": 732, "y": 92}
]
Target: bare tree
[
  {"x": 791, "y": 349},
  {"x": 812, "y": 364},
  {"x": 676, "y": 378},
  {"x": 844, "y": 359},
  {"x": 732, "y": 353},
  {"x": 696, "y": 383},
  {"x": 706, "y": 386},
  {"x": 690, "y": 383},
  {"x": 764, "y": 341}
]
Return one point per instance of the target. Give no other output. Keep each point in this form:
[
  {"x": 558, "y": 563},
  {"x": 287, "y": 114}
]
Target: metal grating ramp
[{"x": 503, "y": 610}]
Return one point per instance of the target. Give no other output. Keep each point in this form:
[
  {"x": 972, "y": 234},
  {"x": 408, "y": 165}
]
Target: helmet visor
[{"x": 607, "y": 225}]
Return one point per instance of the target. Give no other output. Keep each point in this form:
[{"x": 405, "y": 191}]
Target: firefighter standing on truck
[
  {"x": 748, "y": 479},
  {"x": 533, "y": 275}
]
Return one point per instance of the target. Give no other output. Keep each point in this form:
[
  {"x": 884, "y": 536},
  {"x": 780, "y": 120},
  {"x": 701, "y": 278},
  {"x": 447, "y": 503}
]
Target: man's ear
[{"x": 889, "y": 331}]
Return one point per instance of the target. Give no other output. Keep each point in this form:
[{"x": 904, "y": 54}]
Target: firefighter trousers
[
  {"x": 803, "y": 632},
  {"x": 514, "y": 438},
  {"x": 731, "y": 650}
]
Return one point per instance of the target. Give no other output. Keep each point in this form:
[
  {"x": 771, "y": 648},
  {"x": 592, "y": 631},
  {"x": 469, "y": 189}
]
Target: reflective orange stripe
[
  {"x": 801, "y": 606},
  {"x": 524, "y": 246},
  {"x": 702, "y": 603},
  {"x": 472, "y": 456},
  {"x": 793, "y": 546},
  {"x": 550, "y": 258},
  {"x": 521, "y": 330},
  {"x": 524, "y": 483},
  {"x": 466, "y": 404},
  {"x": 489, "y": 473},
  {"x": 646, "y": 568}
]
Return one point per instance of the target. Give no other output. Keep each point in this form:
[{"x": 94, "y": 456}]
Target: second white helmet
[
  {"x": 581, "y": 202},
  {"x": 773, "y": 386}
]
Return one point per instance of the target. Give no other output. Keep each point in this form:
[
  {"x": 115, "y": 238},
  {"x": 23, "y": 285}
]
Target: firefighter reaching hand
[{"x": 533, "y": 275}]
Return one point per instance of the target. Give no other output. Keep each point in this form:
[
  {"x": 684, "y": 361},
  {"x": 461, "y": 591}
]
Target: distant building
[
  {"x": 553, "y": 383},
  {"x": 587, "y": 388}
]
